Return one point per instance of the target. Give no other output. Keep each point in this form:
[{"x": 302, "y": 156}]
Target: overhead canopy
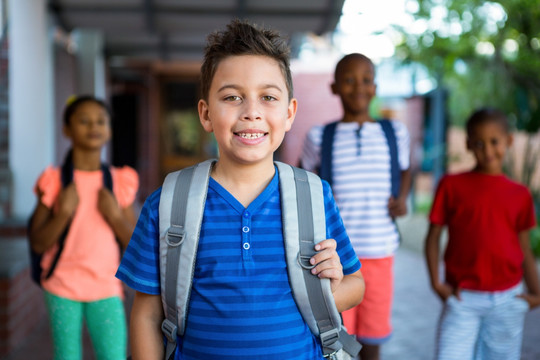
[{"x": 177, "y": 29}]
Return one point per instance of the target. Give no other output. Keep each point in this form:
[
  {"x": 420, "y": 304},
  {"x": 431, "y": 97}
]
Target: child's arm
[
  {"x": 46, "y": 225},
  {"x": 398, "y": 207},
  {"x": 432, "y": 247},
  {"x": 530, "y": 273},
  {"x": 348, "y": 290},
  {"x": 146, "y": 338},
  {"x": 122, "y": 221}
]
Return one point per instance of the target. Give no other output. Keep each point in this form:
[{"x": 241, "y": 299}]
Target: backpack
[
  {"x": 302, "y": 204},
  {"x": 66, "y": 175},
  {"x": 327, "y": 146}
]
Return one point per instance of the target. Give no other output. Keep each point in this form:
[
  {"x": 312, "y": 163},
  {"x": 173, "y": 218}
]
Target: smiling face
[
  {"x": 248, "y": 109},
  {"x": 89, "y": 126},
  {"x": 489, "y": 142},
  {"x": 355, "y": 85}
]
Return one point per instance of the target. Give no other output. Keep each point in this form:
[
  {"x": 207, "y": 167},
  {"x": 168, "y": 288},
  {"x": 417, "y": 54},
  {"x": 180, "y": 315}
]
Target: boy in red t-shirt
[{"x": 488, "y": 252}]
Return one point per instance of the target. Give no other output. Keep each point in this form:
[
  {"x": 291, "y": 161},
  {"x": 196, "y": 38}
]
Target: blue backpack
[
  {"x": 181, "y": 208},
  {"x": 327, "y": 147},
  {"x": 37, "y": 272}
]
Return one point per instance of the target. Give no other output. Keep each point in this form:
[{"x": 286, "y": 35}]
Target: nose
[
  {"x": 251, "y": 110},
  {"x": 488, "y": 150}
]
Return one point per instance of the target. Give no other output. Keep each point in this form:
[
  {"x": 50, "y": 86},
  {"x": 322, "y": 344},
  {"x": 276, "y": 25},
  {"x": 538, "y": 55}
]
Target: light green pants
[{"x": 105, "y": 320}]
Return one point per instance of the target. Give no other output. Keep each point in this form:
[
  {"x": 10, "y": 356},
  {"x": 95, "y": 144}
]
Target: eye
[
  {"x": 232, "y": 98},
  {"x": 479, "y": 145},
  {"x": 269, "y": 98}
]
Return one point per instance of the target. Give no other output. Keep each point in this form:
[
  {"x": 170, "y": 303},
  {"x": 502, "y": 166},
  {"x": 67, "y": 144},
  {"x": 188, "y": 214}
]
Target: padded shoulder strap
[
  {"x": 327, "y": 147},
  {"x": 390, "y": 135},
  {"x": 304, "y": 225},
  {"x": 179, "y": 238}
]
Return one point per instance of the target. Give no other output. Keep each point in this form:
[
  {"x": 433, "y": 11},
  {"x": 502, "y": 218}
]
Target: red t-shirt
[{"x": 484, "y": 214}]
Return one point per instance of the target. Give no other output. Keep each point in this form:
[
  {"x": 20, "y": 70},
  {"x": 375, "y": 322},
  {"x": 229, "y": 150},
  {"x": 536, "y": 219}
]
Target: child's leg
[
  {"x": 106, "y": 322},
  {"x": 65, "y": 318},
  {"x": 370, "y": 320},
  {"x": 502, "y": 329},
  {"x": 459, "y": 326}
]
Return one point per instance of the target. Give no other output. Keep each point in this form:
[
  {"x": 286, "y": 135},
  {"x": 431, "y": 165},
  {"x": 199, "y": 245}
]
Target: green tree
[{"x": 485, "y": 53}]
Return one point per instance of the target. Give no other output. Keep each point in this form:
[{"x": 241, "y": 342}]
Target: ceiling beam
[
  {"x": 97, "y": 10},
  {"x": 333, "y": 8}
]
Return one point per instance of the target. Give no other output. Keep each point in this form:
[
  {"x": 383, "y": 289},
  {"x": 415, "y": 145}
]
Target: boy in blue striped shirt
[{"x": 241, "y": 304}]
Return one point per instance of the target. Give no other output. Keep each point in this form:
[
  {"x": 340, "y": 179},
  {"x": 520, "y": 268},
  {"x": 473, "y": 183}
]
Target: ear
[
  {"x": 468, "y": 144},
  {"x": 66, "y": 131},
  {"x": 333, "y": 88},
  {"x": 204, "y": 116},
  {"x": 291, "y": 114},
  {"x": 510, "y": 140}
]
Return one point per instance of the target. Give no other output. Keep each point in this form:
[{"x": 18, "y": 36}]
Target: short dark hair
[
  {"x": 73, "y": 104},
  {"x": 352, "y": 56},
  {"x": 243, "y": 38},
  {"x": 487, "y": 115}
]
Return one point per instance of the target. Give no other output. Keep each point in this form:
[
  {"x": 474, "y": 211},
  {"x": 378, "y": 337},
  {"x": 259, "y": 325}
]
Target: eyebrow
[{"x": 236, "y": 87}]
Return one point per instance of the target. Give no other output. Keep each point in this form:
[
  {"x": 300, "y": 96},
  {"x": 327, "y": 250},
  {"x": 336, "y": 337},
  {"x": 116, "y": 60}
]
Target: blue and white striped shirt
[
  {"x": 241, "y": 305},
  {"x": 362, "y": 182}
]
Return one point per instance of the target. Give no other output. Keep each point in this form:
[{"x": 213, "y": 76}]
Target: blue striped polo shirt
[
  {"x": 241, "y": 305},
  {"x": 362, "y": 181}
]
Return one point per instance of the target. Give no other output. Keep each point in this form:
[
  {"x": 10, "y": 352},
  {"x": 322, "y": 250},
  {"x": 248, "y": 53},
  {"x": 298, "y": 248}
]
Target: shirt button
[
  {"x": 245, "y": 229},
  {"x": 246, "y": 246},
  {"x": 247, "y": 214}
]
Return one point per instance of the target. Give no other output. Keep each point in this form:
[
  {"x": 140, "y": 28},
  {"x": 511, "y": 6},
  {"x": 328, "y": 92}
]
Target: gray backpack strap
[
  {"x": 304, "y": 225},
  {"x": 179, "y": 238}
]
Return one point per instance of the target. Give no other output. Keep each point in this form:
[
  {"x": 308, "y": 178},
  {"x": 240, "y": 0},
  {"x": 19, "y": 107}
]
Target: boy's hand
[
  {"x": 444, "y": 291},
  {"x": 108, "y": 206},
  {"x": 397, "y": 207},
  {"x": 68, "y": 199},
  {"x": 328, "y": 263},
  {"x": 532, "y": 300}
]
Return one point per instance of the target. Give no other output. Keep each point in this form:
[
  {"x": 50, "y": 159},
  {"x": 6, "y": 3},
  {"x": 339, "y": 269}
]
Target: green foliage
[
  {"x": 535, "y": 241},
  {"x": 485, "y": 53}
]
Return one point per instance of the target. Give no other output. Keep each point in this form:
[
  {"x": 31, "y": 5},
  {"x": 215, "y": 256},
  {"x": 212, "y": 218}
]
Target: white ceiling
[{"x": 177, "y": 29}]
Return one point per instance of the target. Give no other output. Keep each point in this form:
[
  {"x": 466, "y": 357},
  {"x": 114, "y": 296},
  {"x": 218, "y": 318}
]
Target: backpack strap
[
  {"x": 390, "y": 135},
  {"x": 179, "y": 238},
  {"x": 327, "y": 148},
  {"x": 66, "y": 174},
  {"x": 304, "y": 225}
]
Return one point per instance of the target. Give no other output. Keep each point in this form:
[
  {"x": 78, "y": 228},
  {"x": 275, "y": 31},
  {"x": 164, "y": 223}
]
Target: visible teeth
[{"x": 251, "y": 135}]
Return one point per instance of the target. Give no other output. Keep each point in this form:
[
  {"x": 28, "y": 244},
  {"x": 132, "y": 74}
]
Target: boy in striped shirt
[
  {"x": 361, "y": 174},
  {"x": 241, "y": 304}
]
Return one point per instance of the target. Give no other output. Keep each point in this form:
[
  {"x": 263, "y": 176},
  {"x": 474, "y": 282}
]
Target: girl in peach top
[{"x": 83, "y": 285}]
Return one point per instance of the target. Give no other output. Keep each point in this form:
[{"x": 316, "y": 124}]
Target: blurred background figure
[{"x": 83, "y": 208}]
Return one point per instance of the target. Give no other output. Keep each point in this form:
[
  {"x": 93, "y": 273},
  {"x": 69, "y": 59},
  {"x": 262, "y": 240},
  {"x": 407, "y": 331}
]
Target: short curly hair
[
  {"x": 487, "y": 115},
  {"x": 244, "y": 38}
]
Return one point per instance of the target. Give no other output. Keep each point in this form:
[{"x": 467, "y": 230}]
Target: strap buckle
[
  {"x": 303, "y": 261},
  {"x": 329, "y": 337},
  {"x": 175, "y": 236},
  {"x": 169, "y": 329},
  {"x": 331, "y": 356}
]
